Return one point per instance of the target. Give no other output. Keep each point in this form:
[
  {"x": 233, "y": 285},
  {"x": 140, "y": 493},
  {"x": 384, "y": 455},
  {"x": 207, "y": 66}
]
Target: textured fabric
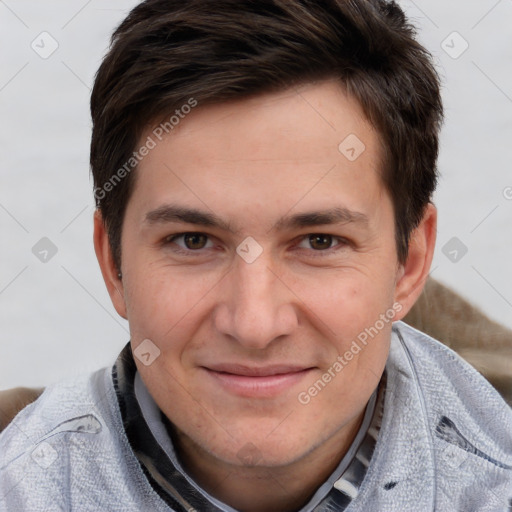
[{"x": 445, "y": 443}]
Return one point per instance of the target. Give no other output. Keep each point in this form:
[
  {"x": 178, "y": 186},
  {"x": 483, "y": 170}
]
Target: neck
[{"x": 284, "y": 488}]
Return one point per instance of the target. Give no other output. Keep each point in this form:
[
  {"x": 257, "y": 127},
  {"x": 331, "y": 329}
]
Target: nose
[{"x": 256, "y": 305}]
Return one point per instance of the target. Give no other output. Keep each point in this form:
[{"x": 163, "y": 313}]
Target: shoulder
[
  {"x": 469, "y": 424},
  {"x": 60, "y": 402},
  {"x": 67, "y": 407},
  {"x": 445, "y": 375},
  {"x": 68, "y": 449}
]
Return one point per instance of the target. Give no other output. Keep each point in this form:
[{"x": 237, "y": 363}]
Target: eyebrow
[
  {"x": 174, "y": 213},
  {"x": 338, "y": 215}
]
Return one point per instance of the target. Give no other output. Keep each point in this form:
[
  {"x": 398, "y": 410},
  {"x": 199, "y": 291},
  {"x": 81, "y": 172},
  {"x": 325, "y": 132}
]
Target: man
[{"x": 263, "y": 173}]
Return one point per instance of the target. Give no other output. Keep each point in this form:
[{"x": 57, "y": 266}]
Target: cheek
[
  {"x": 350, "y": 313},
  {"x": 349, "y": 302},
  {"x": 162, "y": 304}
]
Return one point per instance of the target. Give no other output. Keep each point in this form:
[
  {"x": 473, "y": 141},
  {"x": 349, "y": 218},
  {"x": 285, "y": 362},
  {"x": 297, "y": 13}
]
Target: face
[{"x": 255, "y": 251}]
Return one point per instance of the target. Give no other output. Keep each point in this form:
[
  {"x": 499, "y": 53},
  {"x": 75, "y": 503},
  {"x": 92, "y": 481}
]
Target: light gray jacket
[{"x": 445, "y": 443}]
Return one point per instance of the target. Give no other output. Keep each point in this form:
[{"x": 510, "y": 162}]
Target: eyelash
[
  {"x": 342, "y": 243},
  {"x": 169, "y": 240}
]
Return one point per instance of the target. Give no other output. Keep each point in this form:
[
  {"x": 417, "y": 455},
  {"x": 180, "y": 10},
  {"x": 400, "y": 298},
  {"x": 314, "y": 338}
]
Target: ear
[
  {"x": 108, "y": 269},
  {"x": 413, "y": 274}
]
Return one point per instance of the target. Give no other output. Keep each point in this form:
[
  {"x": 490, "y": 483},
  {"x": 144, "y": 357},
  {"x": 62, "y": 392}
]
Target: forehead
[{"x": 295, "y": 145}]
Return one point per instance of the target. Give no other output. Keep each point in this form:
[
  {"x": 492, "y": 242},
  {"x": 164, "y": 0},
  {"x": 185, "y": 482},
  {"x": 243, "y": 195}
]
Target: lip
[{"x": 257, "y": 382}]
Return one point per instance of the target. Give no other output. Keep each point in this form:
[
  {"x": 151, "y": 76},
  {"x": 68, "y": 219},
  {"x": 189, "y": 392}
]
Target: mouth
[{"x": 257, "y": 382}]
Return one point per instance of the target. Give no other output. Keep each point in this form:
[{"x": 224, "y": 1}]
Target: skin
[{"x": 253, "y": 163}]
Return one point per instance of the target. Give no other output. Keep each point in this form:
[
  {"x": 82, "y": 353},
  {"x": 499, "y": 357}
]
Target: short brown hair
[{"x": 167, "y": 52}]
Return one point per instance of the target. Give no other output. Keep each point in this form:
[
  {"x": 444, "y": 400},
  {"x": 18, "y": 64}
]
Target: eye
[
  {"x": 320, "y": 242},
  {"x": 190, "y": 241}
]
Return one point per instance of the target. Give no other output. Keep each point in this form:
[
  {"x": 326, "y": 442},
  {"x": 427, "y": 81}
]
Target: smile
[{"x": 265, "y": 382}]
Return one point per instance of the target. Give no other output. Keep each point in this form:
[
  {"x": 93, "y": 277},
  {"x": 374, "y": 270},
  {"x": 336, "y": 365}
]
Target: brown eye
[
  {"x": 320, "y": 242},
  {"x": 195, "y": 240}
]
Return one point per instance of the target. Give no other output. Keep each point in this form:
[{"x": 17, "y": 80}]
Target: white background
[{"x": 56, "y": 318}]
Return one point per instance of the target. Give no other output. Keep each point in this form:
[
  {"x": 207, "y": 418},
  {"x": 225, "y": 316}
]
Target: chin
[{"x": 260, "y": 447}]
